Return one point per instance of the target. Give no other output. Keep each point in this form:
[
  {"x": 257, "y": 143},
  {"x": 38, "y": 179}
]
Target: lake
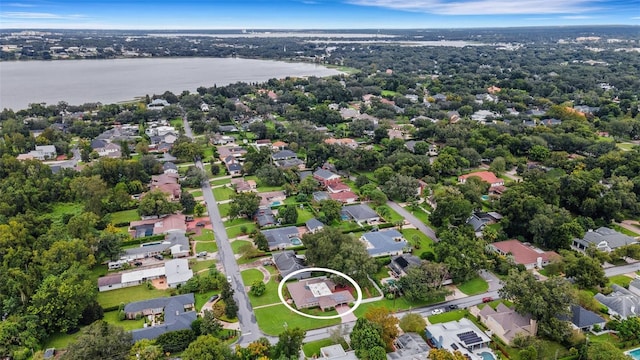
[{"x": 110, "y": 81}]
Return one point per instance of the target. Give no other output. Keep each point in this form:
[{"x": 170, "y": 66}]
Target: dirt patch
[{"x": 160, "y": 283}]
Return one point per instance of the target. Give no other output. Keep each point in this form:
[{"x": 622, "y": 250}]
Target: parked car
[
  {"x": 158, "y": 256},
  {"x": 487, "y": 299},
  {"x": 229, "y": 279},
  {"x": 138, "y": 263},
  {"x": 214, "y": 298},
  {"x": 453, "y": 307},
  {"x": 202, "y": 254},
  {"x": 436, "y": 311}
]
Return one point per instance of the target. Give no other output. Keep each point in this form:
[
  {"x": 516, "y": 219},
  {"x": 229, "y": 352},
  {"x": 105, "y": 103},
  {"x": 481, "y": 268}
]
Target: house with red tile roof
[
  {"x": 345, "y": 197},
  {"x": 318, "y": 292},
  {"x": 486, "y": 176},
  {"x": 524, "y": 254}
]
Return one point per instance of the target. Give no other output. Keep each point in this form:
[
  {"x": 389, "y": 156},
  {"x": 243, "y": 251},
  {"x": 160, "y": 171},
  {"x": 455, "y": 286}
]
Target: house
[
  {"x": 384, "y": 243},
  {"x": 242, "y": 185},
  {"x": 318, "y": 292},
  {"x": 290, "y": 164},
  {"x": 259, "y": 144},
  {"x": 320, "y": 196},
  {"x": 162, "y": 225},
  {"x": 272, "y": 198},
  {"x": 283, "y": 237},
  {"x": 170, "y": 168},
  {"x": 264, "y": 217},
  {"x": 234, "y": 168},
  {"x": 505, "y": 322},
  {"x": 227, "y": 128},
  {"x": 219, "y": 139},
  {"x": 485, "y": 176},
  {"x": 520, "y": 254},
  {"x": 304, "y": 174},
  {"x": 604, "y": 239},
  {"x": 400, "y": 264},
  {"x": 336, "y": 352},
  {"x": 49, "y": 353},
  {"x": 453, "y": 116},
  {"x": 175, "y": 242},
  {"x": 478, "y": 221},
  {"x": 313, "y": 225},
  {"x": 284, "y": 155},
  {"x": 326, "y": 177},
  {"x": 204, "y": 107},
  {"x": 287, "y": 262},
  {"x": 360, "y": 213},
  {"x": 462, "y": 335},
  {"x": 409, "y": 346},
  {"x": 634, "y": 286},
  {"x": 47, "y": 151},
  {"x": 157, "y": 104},
  {"x": 175, "y": 272},
  {"x": 621, "y": 302},
  {"x": 178, "y": 313},
  {"x": 348, "y": 142},
  {"x": 278, "y": 145},
  {"x": 345, "y": 197},
  {"x": 585, "y": 320},
  {"x": 493, "y": 89},
  {"x": 550, "y": 122},
  {"x": 236, "y": 152}
]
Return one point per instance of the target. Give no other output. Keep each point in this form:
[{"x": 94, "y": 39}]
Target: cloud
[
  {"x": 483, "y": 7},
  {"x": 20, "y": 5},
  {"x": 38, "y": 15},
  {"x": 577, "y": 17}
]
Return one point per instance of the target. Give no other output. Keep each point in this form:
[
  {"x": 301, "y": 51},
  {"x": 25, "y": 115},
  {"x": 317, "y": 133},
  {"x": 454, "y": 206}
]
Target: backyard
[
  {"x": 270, "y": 319},
  {"x": 125, "y": 216},
  {"x": 112, "y": 298},
  {"x": 475, "y": 286}
]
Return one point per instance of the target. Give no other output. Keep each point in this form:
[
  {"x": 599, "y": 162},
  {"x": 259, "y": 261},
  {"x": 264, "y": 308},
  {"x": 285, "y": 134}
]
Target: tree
[
  {"x": 261, "y": 242},
  {"x": 604, "y": 351},
  {"x": 209, "y": 324},
  {"x": 289, "y": 343},
  {"x": 383, "y": 174},
  {"x": 383, "y": 317},
  {"x": 308, "y": 185},
  {"x": 401, "y": 187},
  {"x": 244, "y": 204},
  {"x": 226, "y": 295},
  {"x": 270, "y": 175},
  {"x": 91, "y": 191},
  {"x": 498, "y": 165},
  {"x": 288, "y": 214},
  {"x": 444, "y": 354},
  {"x": 215, "y": 169},
  {"x": 188, "y": 202},
  {"x": 175, "y": 341},
  {"x": 365, "y": 336},
  {"x": 361, "y": 180},
  {"x": 452, "y": 209},
  {"x": 146, "y": 349},
  {"x": 412, "y": 322},
  {"x": 331, "y": 210},
  {"x": 207, "y": 347},
  {"x": 186, "y": 150},
  {"x": 100, "y": 340},
  {"x": 155, "y": 203},
  {"x": 463, "y": 254},
  {"x": 258, "y": 288},
  {"x": 424, "y": 282},
  {"x": 257, "y": 350},
  {"x": 585, "y": 271}
]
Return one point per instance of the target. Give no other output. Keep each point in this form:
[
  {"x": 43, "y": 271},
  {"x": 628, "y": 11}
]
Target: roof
[
  {"x": 139, "y": 275},
  {"x": 325, "y": 174},
  {"x": 287, "y": 262},
  {"x": 169, "y": 166},
  {"x": 280, "y": 236},
  {"x": 345, "y": 196},
  {"x": 582, "y": 317},
  {"x": 613, "y": 238},
  {"x": 476, "y": 222},
  {"x": 336, "y": 352},
  {"x": 402, "y": 262},
  {"x": 360, "y": 212},
  {"x": 175, "y": 318},
  {"x": 304, "y": 174},
  {"x": 109, "y": 280},
  {"x": 409, "y": 346},
  {"x": 339, "y": 187},
  {"x": 320, "y": 196},
  {"x": 177, "y": 271},
  {"x": 289, "y": 163},
  {"x": 283, "y": 155},
  {"x": 303, "y": 294},
  {"x": 511, "y": 321},
  {"x": 523, "y": 254},
  {"x": 313, "y": 224},
  {"x": 453, "y": 334},
  {"x": 161, "y": 302},
  {"x": 622, "y": 301},
  {"x": 485, "y": 176},
  {"x": 163, "y": 225},
  {"x": 265, "y": 217},
  {"x": 383, "y": 242}
]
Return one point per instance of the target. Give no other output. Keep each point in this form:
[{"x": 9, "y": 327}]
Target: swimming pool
[
  {"x": 484, "y": 197},
  {"x": 635, "y": 354},
  {"x": 296, "y": 241},
  {"x": 275, "y": 203},
  {"x": 487, "y": 356}
]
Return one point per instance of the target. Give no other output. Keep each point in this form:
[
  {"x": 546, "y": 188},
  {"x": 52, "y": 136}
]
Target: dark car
[
  {"x": 453, "y": 307},
  {"x": 487, "y": 299},
  {"x": 138, "y": 263},
  {"x": 214, "y": 298},
  {"x": 158, "y": 256}
]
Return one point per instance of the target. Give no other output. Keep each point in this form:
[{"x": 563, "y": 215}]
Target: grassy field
[
  {"x": 477, "y": 285},
  {"x": 251, "y": 275},
  {"x": 196, "y": 193},
  {"x": 425, "y": 243},
  {"x": 626, "y": 146},
  {"x": 386, "y": 93},
  {"x": 621, "y": 280},
  {"x": 201, "y": 265},
  {"x": 125, "y": 216},
  {"x": 129, "y": 294},
  {"x": 312, "y": 349},
  {"x": 209, "y": 247},
  {"x": 447, "y": 316},
  {"x": 112, "y": 318},
  {"x": 272, "y": 320},
  {"x": 60, "y": 340},
  {"x": 270, "y": 296},
  {"x": 419, "y": 213},
  {"x": 235, "y": 231},
  {"x": 223, "y": 181},
  {"x": 236, "y": 245},
  {"x": 224, "y": 209},
  {"x": 206, "y": 235},
  {"x": 625, "y": 231},
  {"x": 59, "y": 209},
  {"x": 202, "y": 298},
  {"x": 223, "y": 193}
]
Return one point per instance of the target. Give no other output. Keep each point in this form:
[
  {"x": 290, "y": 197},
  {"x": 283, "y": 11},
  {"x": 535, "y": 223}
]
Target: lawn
[
  {"x": 125, "y": 216},
  {"x": 134, "y": 293},
  {"x": 222, "y": 181},
  {"x": 394, "y": 305},
  {"x": 270, "y": 296},
  {"x": 209, "y": 247},
  {"x": 112, "y": 318},
  {"x": 251, "y": 275},
  {"x": 202, "y": 298},
  {"x": 196, "y": 193},
  {"x": 223, "y": 193},
  {"x": 621, "y": 280},
  {"x": 626, "y": 146},
  {"x": 625, "y": 231},
  {"x": 60, "y": 209},
  {"x": 304, "y": 215},
  {"x": 312, "y": 349},
  {"x": 60, "y": 340},
  {"x": 201, "y": 265},
  {"x": 205, "y": 235},
  {"x": 237, "y": 244},
  {"x": 425, "y": 243},
  {"x": 235, "y": 231},
  {"x": 386, "y": 93},
  {"x": 224, "y": 209},
  {"x": 419, "y": 213},
  {"x": 475, "y": 286},
  {"x": 393, "y": 216},
  {"x": 272, "y": 320},
  {"x": 447, "y": 316}
]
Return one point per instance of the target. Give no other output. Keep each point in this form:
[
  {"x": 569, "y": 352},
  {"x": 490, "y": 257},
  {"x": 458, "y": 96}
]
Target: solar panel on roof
[{"x": 454, "y": 346}]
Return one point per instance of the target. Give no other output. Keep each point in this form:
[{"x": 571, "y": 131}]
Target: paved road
[
  {"x": 624, "y": 269},
  {"x": 413, "y": 220},
  {"x": 248, "y": 323}
]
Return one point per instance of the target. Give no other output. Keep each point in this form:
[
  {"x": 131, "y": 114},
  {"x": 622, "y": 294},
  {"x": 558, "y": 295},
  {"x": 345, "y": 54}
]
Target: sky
[{"x": 312, "y": 14}]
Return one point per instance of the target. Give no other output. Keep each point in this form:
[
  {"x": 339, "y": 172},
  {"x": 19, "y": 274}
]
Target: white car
[
  {"x": 436, "y": 311},
  {"x": 229, "y": 279}
]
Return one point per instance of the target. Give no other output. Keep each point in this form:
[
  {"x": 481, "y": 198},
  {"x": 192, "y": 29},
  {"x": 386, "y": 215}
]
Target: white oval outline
[{"x": 331, "y": 271}]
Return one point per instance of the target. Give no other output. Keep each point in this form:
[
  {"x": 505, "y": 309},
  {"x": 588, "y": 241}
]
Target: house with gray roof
[
  {"x": 287, "y": 262},
  {"x": 360, "y": 213},
  {"x": 320, "y": 196},
  {"x": 384, "y": 243},
  {"x": 179, "y": 313},
  {"x": 400, "y": 263},
  {"x": 284, "y": 155},
  {"x": 409, "y": 346},
  {"x": 478, "y": 221},
  {"x": 326, "y": 177},
  {"x": 314, "y": 225},
  {"x": 621, "y": 302},
  {"x": 264, "y": 217},
  {"x": 634, "y": 286},
  {"x": 584, "y": 319},
  {"x": 462, "y": 335},
  {"x": 290, "y": 163},
  {"x": 283, "y": 237},
  {"x": 604, "y": 239}
]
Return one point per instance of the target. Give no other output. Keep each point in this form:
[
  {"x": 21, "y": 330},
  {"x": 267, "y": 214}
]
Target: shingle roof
[
  {"x": 613, "y": 238},
  {"x": 313, "y": 224},
  {"x": 156, "y": 303},
  {"x": 287, "y": 262},
  {"x": 284, "y": 154},
  {"x": 324, "y": 174},
  {"x": 582, "y": 317},
  {"x": 360, "y": 212},
  {"x": 409, "y": 346},
  {"x": 381, "y": 242},
  {"x": 621, "y": 300},
  {"x": 280, "y": 236}
]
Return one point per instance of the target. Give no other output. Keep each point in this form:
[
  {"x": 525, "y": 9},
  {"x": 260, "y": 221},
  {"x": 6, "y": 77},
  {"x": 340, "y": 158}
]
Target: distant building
[
  {"x": 178, "y": 314},
  {"x": 384, "y": 243},
  {"x": 604, "y": 239},
  {"x": 520, "y": 254}
]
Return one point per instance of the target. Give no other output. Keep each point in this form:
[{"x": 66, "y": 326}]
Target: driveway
[
  {"x": 413, "y": 220},
  {"x": 348, "y": 317}
]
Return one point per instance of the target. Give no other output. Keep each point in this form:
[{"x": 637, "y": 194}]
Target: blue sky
[{"x": 312, "y": 14}]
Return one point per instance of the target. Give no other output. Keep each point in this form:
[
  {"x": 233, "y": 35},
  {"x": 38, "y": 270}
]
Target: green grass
[
  {"x": 419, "y": 213},
  {"x": 134, "y": 293},
  {"x": 59, "y": 209},
  {"x": 235, "y": 231},
  {"x": 209, "y": 247},
  {"x": 477, "y": 285},
  {"x": 220, "y": 181},
  {"x": 425, "y": 243},
  {"x": 205, "y": 235},
  {"x": 386, "y": 93},
  {"x": 201, "y": 265},
  {"x": 196, "y": 193},
  {"x": 124, "y": 216},
  {"x": 395, "y": 305},
  {"x": 621, "y": 280},
  {"x": 237, "y": 244},
  {"x": 304, "y": 215},
  {"x": 393, "y": 216},
  {"x": 251, "y": 275},
  {"x": 112, "y": 318},
  {"x": 202, "y": 298},
  {"x": 626, "y": 146},
  {"x": 625, "y": 231},
  {"x": 223, "y": 193},
  {"x": 270, "y": 296},
  {"x": 224, "y": 209},
  {"x": 312, "y": 349},
  {"x": 454, "y": 315},
  {"x": 271, "y": 319},
  {"x": 60, "y": 340},
  {"x": 237, "y": 222}
]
